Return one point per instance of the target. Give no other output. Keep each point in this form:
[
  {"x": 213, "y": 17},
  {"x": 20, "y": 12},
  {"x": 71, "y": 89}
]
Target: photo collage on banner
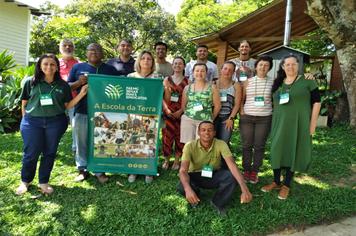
[{"x": 124, "y": 120}]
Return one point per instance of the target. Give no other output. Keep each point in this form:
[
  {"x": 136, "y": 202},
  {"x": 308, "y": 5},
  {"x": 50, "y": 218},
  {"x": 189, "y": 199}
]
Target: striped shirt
[
  {"x": 227, "y": 99},
  {"x": 258, "y": 87}
]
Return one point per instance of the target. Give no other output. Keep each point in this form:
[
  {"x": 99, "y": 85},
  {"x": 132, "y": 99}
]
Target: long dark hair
[
  {"x": 281, "y": 74},
  {"x": 181, "y": 58},
  {"x": 39, "y": 75}
]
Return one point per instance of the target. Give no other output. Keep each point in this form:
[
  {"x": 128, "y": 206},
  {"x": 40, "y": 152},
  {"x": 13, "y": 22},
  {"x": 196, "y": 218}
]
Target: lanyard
[
  {"x": 50, "y": 91},
  {"x": 264, "y": 89},
  {"x": 289, "y": 86}
]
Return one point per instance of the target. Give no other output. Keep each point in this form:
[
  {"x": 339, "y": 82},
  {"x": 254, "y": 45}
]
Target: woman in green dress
[{"x": 296, "y": 104}]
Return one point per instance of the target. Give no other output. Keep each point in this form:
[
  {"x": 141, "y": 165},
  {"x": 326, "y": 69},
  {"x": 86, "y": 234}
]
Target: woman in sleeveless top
[
  {"x": 200, "y": 102},
  {"x": 172, "y": 112},
  {"x": 230, "y": 98},
  {"x": 255, "y": 118}
]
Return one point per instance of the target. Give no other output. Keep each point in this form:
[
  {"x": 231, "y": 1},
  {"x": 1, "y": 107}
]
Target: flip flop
[
  {"x": 46, "y": 189},
  {"x": 165, "y": 165},
  {"x": 176, "y": 166}
]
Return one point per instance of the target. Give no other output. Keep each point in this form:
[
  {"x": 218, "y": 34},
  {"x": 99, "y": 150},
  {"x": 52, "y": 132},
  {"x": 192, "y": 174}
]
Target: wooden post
[{"x": 221, "y": 54}]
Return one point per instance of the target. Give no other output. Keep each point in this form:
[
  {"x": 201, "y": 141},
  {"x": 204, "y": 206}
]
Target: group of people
[{"x": 200, "y": 106}]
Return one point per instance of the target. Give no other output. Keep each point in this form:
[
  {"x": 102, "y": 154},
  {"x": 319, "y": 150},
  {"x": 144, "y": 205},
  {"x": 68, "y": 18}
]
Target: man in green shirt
[{"x": 201, "y": 168}]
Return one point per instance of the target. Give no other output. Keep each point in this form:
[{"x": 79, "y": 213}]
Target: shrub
[{"x": 10, "y": 90}]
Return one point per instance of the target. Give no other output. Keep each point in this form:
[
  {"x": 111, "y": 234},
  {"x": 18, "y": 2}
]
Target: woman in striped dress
[
  {"x": 256, "y": 118},
  {"x": 172, "y": 111}
]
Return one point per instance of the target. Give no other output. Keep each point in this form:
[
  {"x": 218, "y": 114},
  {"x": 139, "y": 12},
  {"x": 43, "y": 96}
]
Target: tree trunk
[
  {"x": 347, "y": 58},
  {"x": 337, "y": 19}
]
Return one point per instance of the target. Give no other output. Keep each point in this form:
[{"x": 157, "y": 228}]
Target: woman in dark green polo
[{"x": 44, "y": 101}]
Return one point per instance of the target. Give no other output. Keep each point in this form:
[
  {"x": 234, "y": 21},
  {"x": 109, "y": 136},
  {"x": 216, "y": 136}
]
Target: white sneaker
[
  {"x": 132, "y": 178},
  {"x": 148, "y": 179}
]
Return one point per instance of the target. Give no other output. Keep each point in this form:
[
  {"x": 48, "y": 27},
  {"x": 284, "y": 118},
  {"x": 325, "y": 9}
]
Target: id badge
[
  {"x": 207, "y": 171},
  {"x": 174, "y": 97},
  {"x": 259, "y": 101},
  {"x": 198, "y": 107},
  {"x": 223, "y": 97},
  {"x": 46, "y": 100},
  {"x": 243, "y": 76},
  {"x": 283, "y": 98}
]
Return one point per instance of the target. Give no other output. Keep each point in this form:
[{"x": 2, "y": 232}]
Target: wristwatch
[{"x": 231, "y": 118}]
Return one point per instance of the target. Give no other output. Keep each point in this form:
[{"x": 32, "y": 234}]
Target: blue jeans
[
  {"x": 40, "y": 135},
  {"x": 71, "y": 121},
  {"x": 81, "y": 137},
  {"x": 80, "y": 127},
  {"x": 221, "y": 132}
]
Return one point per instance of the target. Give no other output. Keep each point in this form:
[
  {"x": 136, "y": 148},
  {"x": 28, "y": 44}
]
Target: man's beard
[{"x": 67, "y": 54}]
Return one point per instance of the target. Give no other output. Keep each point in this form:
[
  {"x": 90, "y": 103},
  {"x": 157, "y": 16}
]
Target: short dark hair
[
  {"x": 202, "y": 46},
  {"x": 200, "y": 64},
  {"x": 206, "y": 122},
  {"x": 244, "y": 41},
  {"x": 162, "y": 44},
  {"x": 124, "y": 40},
  {"x": 265, "y": 58},
  {"x": 95, "y": 45}
]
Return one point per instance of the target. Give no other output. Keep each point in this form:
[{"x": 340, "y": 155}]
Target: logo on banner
[{"x": 113, "y": 92}]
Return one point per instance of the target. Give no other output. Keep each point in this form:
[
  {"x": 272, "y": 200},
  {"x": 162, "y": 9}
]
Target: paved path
[{"x": 346, "y": 227}]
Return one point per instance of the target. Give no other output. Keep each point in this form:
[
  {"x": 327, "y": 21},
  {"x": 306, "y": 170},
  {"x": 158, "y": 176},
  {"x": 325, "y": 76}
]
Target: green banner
[{"x": 124, "y": 118}]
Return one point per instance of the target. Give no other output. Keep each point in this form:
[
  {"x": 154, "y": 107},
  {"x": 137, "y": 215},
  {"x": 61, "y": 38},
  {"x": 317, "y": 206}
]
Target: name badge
[
  {"x": 207, "y": 171},
  {"x": 46, "y": 100},
  {"x": 198, "y": 107},
  {"x": 243, "y": 76},
  {"x": 259, "y": 101},
  {"x": 174, "y": 97},
  {"x": 283, "y": 98},
  {"x": 223, "y": 97}
]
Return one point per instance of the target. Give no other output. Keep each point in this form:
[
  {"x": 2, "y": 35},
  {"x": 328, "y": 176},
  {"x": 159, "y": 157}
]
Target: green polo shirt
[
  {"x": 59, "y": 91},
  {"x": 198, "y": 156}
]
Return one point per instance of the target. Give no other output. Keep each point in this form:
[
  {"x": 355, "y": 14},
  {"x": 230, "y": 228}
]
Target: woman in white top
[
  {"x": 145, "y": 67},
  {"x": 256, "y": 118}
]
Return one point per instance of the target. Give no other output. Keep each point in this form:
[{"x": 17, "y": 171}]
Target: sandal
[
  {"x": 23, "y": 188},
  {"x": 176, "y": 165},
  {"x": 45, "y": 189},
  {"x": 165, "y": 165}
]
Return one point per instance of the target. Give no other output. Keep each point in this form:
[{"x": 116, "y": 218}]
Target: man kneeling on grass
[{"x": 201, "y": 168}]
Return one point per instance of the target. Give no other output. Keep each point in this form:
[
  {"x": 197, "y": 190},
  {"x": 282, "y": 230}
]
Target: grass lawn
[{"x": 326, "y": 193}]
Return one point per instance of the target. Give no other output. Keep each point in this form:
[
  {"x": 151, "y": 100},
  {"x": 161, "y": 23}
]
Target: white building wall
[{"x": 15, "y": 30}]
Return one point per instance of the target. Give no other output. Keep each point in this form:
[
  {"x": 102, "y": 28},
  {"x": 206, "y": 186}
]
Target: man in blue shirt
[
  {"x": 124, "y": 64},
  {"x": 78, "y": 77}
]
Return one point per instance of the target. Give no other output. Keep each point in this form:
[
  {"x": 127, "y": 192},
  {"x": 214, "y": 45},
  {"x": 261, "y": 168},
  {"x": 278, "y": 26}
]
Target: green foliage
[
  {"x": 329, "y": 101},
  {"x": 201, "y": 17},
  {"x": 319, "y": 44},
  {"x": 7, "y": 62},
  {"x": 10, "y": 89},
  {"x": 47, "y": 34},
  {"x": 198, "y": 18},
  {"x": 106, "y": 22},
  {"x": 327, "y": 193}
]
